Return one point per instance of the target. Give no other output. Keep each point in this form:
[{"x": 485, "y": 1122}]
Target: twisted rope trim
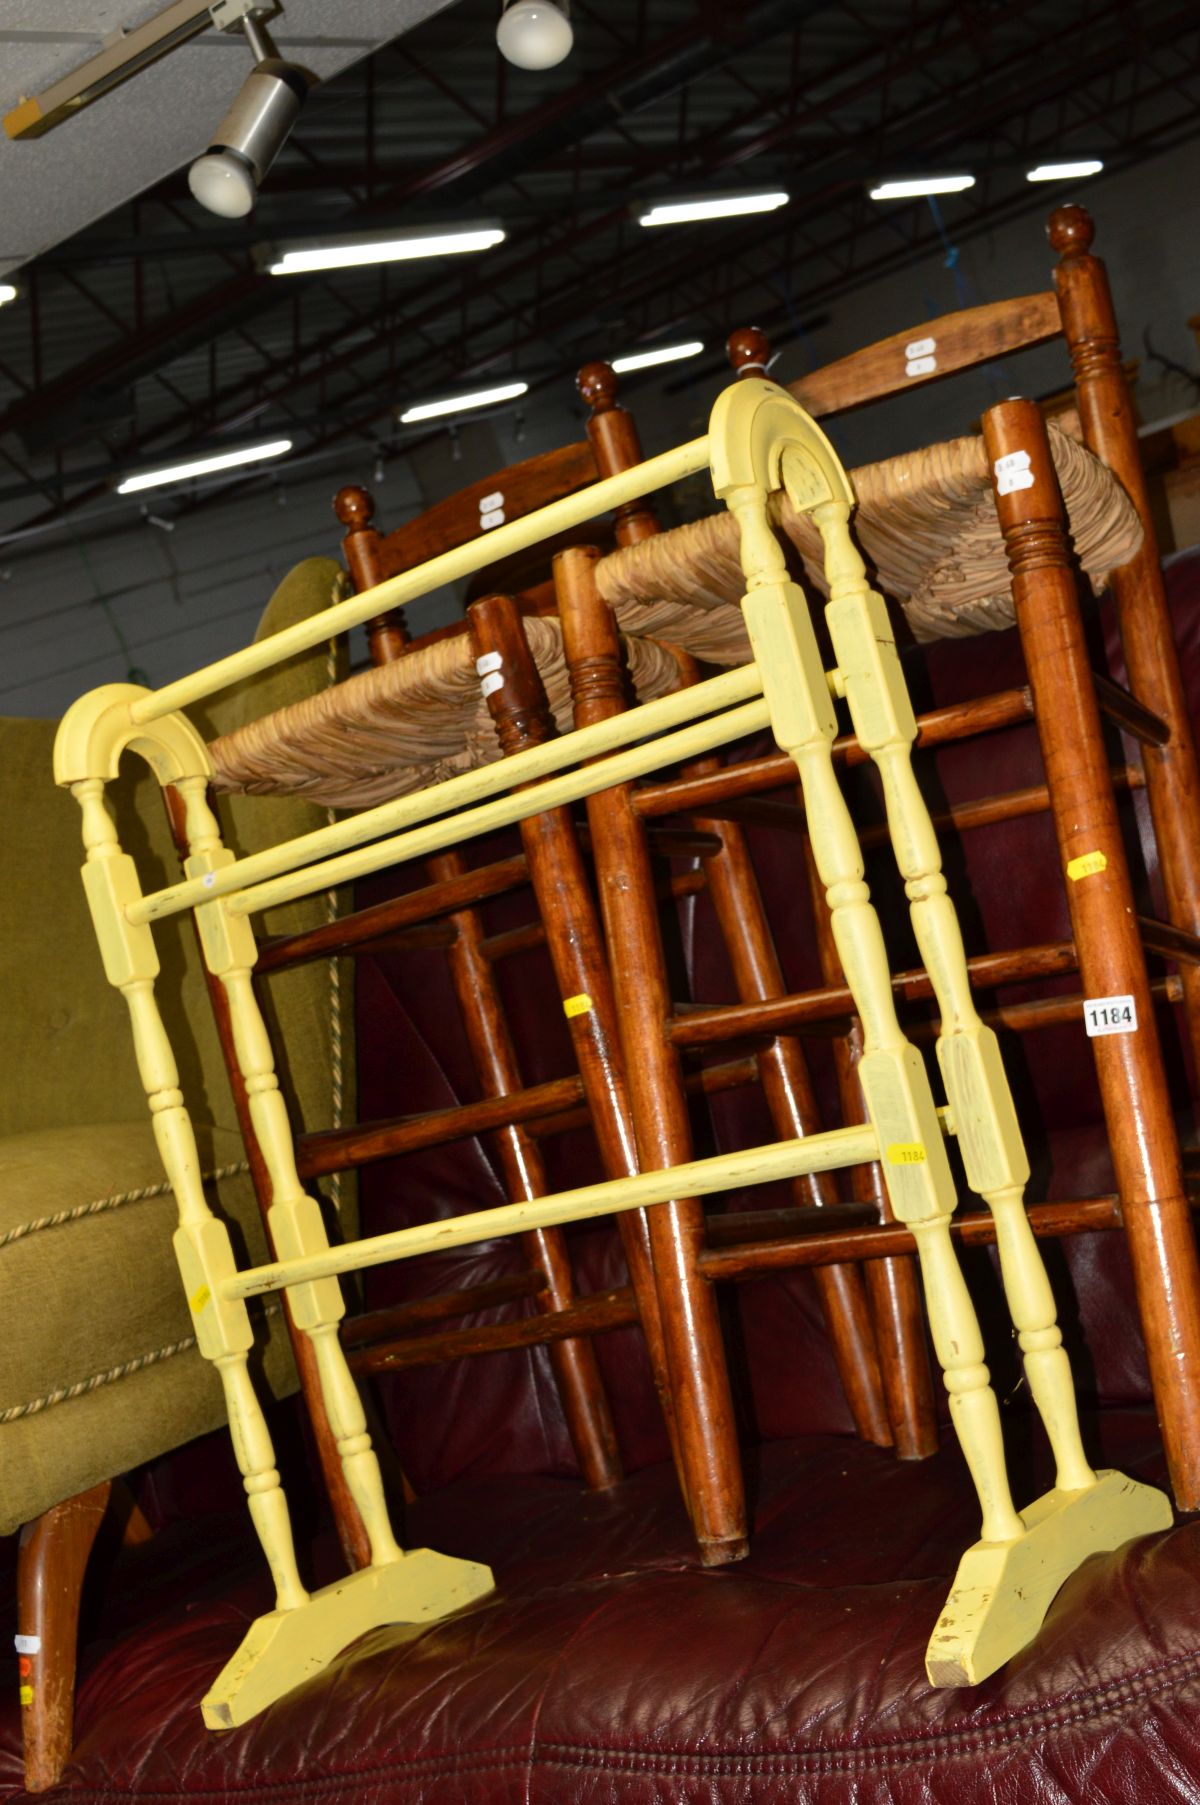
[
  {"x": 65, "y": 1393},
  {"x": 99, "y": 1204}
]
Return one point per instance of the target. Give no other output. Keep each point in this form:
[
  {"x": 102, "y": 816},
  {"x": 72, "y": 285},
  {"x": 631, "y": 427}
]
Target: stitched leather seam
[
  {"x": 516, "y": 1759},
  {"x": 732, "y": 1764},
  {"x": 881, "y": 1755}
]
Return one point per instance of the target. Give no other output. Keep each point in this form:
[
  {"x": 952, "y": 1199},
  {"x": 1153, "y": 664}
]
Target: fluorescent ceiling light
[
  {"x": 7, "y": 293},
  {"x": 402, "y": 249},
  {"x": 1064, "y": 172},
  {"x": 221, "y": 460},
  {"x": 456, "y": 404},
  {"x": 913, "y": 187},
  {"x": 679, "y": 213},
  {"x": 665, "y": 354}
]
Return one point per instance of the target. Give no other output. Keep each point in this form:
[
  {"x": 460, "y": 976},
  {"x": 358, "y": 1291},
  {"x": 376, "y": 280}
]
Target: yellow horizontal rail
[
  {"x": 555, "y": 792},
  {"x": 827, "y": 1152},
  {"x": 397, "y": 592},
  {"x": 472, "y": 787}
]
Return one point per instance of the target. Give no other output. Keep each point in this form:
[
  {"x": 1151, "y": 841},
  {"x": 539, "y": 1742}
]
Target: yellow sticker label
[
  {"x": 906, "y": 1153},
  {"x": 1087, "y": 865},
  {"x": 198, "y": 1299},
  {"x": 27, "y": 1695},
  {"x": 580, "y": 1005}
]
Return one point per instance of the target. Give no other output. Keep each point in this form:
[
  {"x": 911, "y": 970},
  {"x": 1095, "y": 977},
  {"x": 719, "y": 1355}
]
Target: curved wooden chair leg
[{"x": 51, "y": 1564}]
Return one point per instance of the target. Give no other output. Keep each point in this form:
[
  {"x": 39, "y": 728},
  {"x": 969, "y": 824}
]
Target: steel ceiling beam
[
  {"x": 714, "y": 150},
  {"x": 862, "y": 223},
  {"x": 496, "y": 155}
]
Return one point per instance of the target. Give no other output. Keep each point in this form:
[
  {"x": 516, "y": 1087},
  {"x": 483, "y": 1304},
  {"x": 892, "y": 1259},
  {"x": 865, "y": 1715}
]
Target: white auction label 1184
[{"x": 1109, "y": 1015}]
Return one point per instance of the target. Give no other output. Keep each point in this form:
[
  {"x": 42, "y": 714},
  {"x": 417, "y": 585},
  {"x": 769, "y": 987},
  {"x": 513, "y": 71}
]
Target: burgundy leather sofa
[{"x": 608, "y": 1665}]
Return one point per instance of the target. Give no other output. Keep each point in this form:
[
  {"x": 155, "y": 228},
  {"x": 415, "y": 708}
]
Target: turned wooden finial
[
  {"x": 1071, "y": 230},
  {"x": 597, "y": 383},
  {"x": 354, "y": 507},
  {"x": 749, "y": 351}
]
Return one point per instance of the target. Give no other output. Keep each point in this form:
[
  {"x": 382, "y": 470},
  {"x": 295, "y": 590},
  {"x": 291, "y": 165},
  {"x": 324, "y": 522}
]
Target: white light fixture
[
  {"x": 915, "y": 187},
  {"x": 203, "y": 466},
  {"x": 226, "y": 178},
  {"x": 665, "y": 354},
  {"x": 1064, "y": 172},
  {"x": 351, "y": 253},
  {"x": 534, "y": 34},
  {"x": 457, "y": 404},
  {"x": 727, "y": 206},
  {"x": 7, "y": 293}
]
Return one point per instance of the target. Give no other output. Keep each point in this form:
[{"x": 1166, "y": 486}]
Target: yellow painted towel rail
[{"x": 759, "y": 441}]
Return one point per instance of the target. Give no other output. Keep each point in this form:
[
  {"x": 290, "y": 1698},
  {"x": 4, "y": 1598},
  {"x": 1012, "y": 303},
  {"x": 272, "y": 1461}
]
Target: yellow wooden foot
[
  {"x": 1002, "y": 1590},
  {"x": 285, "y": 1647}
]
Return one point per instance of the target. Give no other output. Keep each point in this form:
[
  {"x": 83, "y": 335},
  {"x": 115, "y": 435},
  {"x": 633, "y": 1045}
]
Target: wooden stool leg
[
  {"x": 580, "y": 1387},
  {"x": 51, "y": 1563},
  {"x": 556, "y": 870},
  {"x": 706, "y": 1443},
  {"x": 783, "y": 1073},
  {"x": 1106, "y": 412},
  {"x": 1133, "y": 1086}
]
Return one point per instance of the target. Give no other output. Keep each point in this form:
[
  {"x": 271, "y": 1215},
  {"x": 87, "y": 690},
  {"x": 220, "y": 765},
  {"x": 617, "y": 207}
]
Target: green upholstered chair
[{"x": 99, "y": 1375}]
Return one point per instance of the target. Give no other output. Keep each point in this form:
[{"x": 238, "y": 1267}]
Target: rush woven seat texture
[{"x": 926, "y": 524}]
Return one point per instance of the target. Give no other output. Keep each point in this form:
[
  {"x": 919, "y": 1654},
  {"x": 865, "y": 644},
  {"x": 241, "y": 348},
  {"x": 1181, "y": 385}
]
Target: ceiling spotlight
[
  {"x": 721, "y": 206},
  {"x": 664, "y": 354},
  {"x": 534, "y": 34},
  {"x": 917, "y": 186},
  {"x": 227, "y": 177},
  {"x": 7, "y": 293},
  {"x": 1064, "y": 172},
  {"x": 457, "y": 404},
  {"x": 356, "y": 250},
  {"x": 202, "y": 466}
]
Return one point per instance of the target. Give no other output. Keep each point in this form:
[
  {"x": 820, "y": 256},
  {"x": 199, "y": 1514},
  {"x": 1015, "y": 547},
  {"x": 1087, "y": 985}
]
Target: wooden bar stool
[
  {"x": 895, "y": 1366},
  {"x": 416, "y": 718},
  {"x": 950, "y": 579}
]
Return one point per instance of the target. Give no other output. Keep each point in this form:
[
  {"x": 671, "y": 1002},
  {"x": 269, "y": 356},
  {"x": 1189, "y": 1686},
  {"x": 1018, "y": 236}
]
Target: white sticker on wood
[
  {"x": 1013, "y": 472},
  {"x": 1109, "y": 1015}
]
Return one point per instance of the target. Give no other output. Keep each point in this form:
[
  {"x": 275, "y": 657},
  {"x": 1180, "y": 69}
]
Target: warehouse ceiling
[{"x": 152, "y": 329}]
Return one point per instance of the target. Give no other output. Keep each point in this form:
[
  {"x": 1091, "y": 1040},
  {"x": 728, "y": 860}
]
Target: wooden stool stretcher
[{"x": 760, "y": 440}]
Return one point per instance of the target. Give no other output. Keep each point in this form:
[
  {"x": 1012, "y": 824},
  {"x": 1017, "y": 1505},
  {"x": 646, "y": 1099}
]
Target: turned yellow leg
[
  {"x": 305, "y": 1631},
  {"x": 1005, "y": 1583},
  {"x": 977, "y": 1088},
  {"x": 202, "y": 1247},
  {"x": 896, "y": 1090},
  {"x": 276, "y": 1655}
]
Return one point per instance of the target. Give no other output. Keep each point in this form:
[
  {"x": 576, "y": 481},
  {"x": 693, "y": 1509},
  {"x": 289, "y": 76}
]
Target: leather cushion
[{"x": 609, "y": 1666}]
